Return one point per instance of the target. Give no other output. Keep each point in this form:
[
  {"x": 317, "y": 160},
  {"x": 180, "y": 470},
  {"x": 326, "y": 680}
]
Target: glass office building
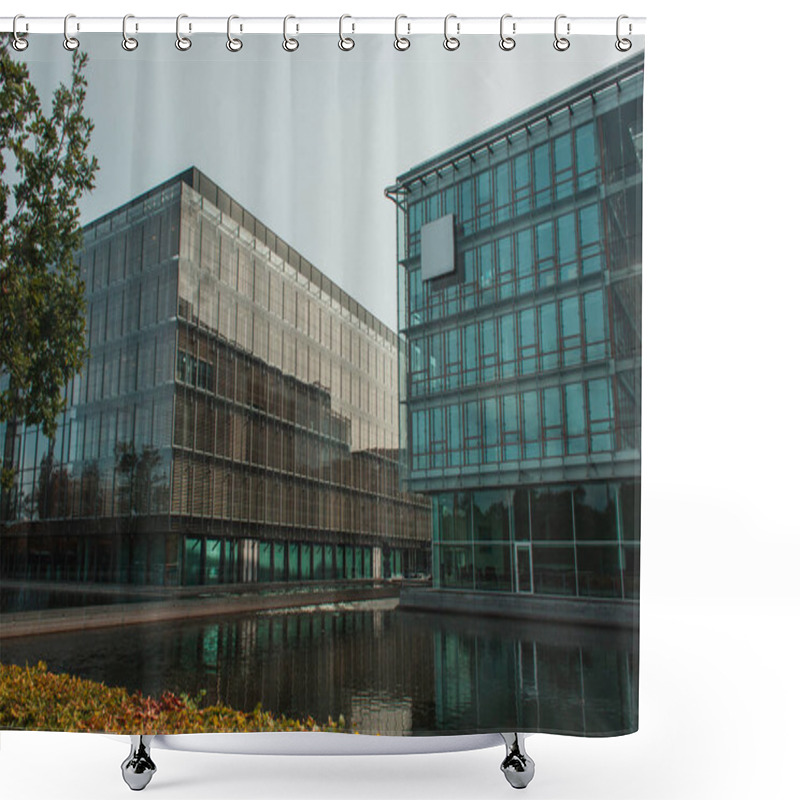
[
  {"x": 520, "y": 328},
  {"x": 236, "y": 422}
]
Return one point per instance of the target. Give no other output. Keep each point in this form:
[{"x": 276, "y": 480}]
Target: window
[
  {"x": 571, "y": 330},
  {"x": 576, "y": 418},
  {"x": 508, "y": 346},
  {"x": 591, "y": 253},
  {"x": 545, "y": 255},
  {"x": 594, "y": 325},
  {"x": 586, "y": 156},
  {"x": 548, "y": 336},
  {"x": 553, "y": 422}
]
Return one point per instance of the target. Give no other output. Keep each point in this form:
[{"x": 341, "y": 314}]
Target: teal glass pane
[
  {"x": 527, "y": 341},
  {"x": 359, "y": 562},
  {"x": 586, "y": 156},
  {"x": 548, "y": 336},
  {"x": 340, "y": 562},
  {"x": 523, "y": 243},
  {"x": 443, "y": 517},
  {"x": 486, "y": 265},
  {"x": 542, "y": 178},
  {"x": 522, "y": 183},
  {"x": 279, "y": 561},
  {"x": 305, "y": 562},
  {"x": 594, "y": 321},
  {"x": 264, "y": 562},
  {"x": 294, "y": 561},
  {"x": 571, "y": 330},
  {"x": 563, "y": 168},
  {"x": 454, "y": 438},
  {"x": 491, "y": 430},
  {"x": 531, "y": 431},
  {"x": 213, "y": 561},
  {"x": 466, "y": 209},
  {"x": 470, "y": 353},
  {"x": 553, "y": 422},
  {"x": 488, "y": 350},
  {"x": 576, "y": 418},
  {"x": 510, "y": 425},
  {"x": 601, "y": 420},
  {"x": 567, "y": 252},
  {"x": 591, "y": 245},
  {"x": 545, "y": 255},
  {"x": 472, "y": 432},
  {"x": 349, "y": 563},
  {"x": 192, "y": 562},
  {"x": 505, "y": 267},
  {"x": 463, "y": 517},
  {"x": 508, "y": 345},
  {"x": 502, "y": 191}
]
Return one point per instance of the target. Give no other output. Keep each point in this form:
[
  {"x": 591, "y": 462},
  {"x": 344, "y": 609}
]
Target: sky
[{"x": 305, "y": 141}]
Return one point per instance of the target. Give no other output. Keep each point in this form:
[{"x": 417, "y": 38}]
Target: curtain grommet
[
  {"x": 451, "y": 43},
  {"x": 507, "y": 43},
  {"x": 561, "y": 43},
  {"x": 70, "y": 42},
  {"x": 183, "y": 43},
  {"x": 289, "y": 44}
]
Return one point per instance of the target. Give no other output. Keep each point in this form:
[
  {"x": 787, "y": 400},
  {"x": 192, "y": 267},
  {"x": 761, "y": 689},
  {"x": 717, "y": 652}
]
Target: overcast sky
[{"x": 306, "y": 141}]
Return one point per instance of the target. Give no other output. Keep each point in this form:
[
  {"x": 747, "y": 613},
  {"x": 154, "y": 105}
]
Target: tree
[{"x": 46, "y": 168}]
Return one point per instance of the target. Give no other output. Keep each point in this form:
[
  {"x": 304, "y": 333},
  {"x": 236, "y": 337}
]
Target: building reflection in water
[{"x": 384, "y": 671}]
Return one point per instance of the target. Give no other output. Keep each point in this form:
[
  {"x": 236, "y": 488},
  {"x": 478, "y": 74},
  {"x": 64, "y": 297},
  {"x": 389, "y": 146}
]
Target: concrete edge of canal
[
  {"x": 600, "y": 612},
  {"x": 61, "y": 620}
]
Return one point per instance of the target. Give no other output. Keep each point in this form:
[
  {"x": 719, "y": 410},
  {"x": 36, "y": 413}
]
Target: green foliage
[
  {"x": 45, "y": 169},
  {"x": 31, "y": 698}
]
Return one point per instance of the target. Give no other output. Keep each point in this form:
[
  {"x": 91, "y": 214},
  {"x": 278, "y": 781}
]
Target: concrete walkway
[{"x": 59, "y": 620}]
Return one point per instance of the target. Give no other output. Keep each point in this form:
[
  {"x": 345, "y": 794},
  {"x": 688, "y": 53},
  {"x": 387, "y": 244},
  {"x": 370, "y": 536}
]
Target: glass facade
[
  {"x": 237, "y": 420},
  {"x": 521, "y": 373}
]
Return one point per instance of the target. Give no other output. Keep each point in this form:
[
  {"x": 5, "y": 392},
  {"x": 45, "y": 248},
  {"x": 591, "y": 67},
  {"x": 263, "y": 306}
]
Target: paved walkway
[{"x": 59, "y": 620}]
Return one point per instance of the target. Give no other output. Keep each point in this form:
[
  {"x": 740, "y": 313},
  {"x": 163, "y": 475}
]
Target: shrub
[{"x": 31, "y": 698}]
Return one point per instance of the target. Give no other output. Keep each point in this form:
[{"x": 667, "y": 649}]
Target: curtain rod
[{"x": 348, "y": 25}]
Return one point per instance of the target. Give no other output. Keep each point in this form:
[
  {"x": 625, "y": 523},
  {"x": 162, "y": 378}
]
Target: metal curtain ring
[
  {"x": 623, "y": 45},
  {"x": 400, "y": 42},
  {"x": 182, "y": 42},
  {"x": 20, "y": 41},
  {"x": 345, "y": 42},
  {"x": 561, "y": 43},
  {"x": 128, "y": 42},
  {"x": 289, "y": 44},
  {"x": 70, "y": 42},
  {"x": 451, "y": 42},
  {"x": 507, "y": 42},
  {"x": 233, "y": 44}
]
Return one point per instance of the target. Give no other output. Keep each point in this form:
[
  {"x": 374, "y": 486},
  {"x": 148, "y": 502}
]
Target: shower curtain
[{"x": 350, "y": 359}]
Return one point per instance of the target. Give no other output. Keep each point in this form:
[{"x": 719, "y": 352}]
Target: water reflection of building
[
  {"x": 550, "y": 680},
  {"x": 520, "y": 328},
  {"x": 237, "y": 420}
]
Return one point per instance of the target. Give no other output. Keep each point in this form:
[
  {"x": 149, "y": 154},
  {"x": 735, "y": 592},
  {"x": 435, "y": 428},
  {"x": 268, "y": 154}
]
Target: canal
[{"x": 382, "y": 669}]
